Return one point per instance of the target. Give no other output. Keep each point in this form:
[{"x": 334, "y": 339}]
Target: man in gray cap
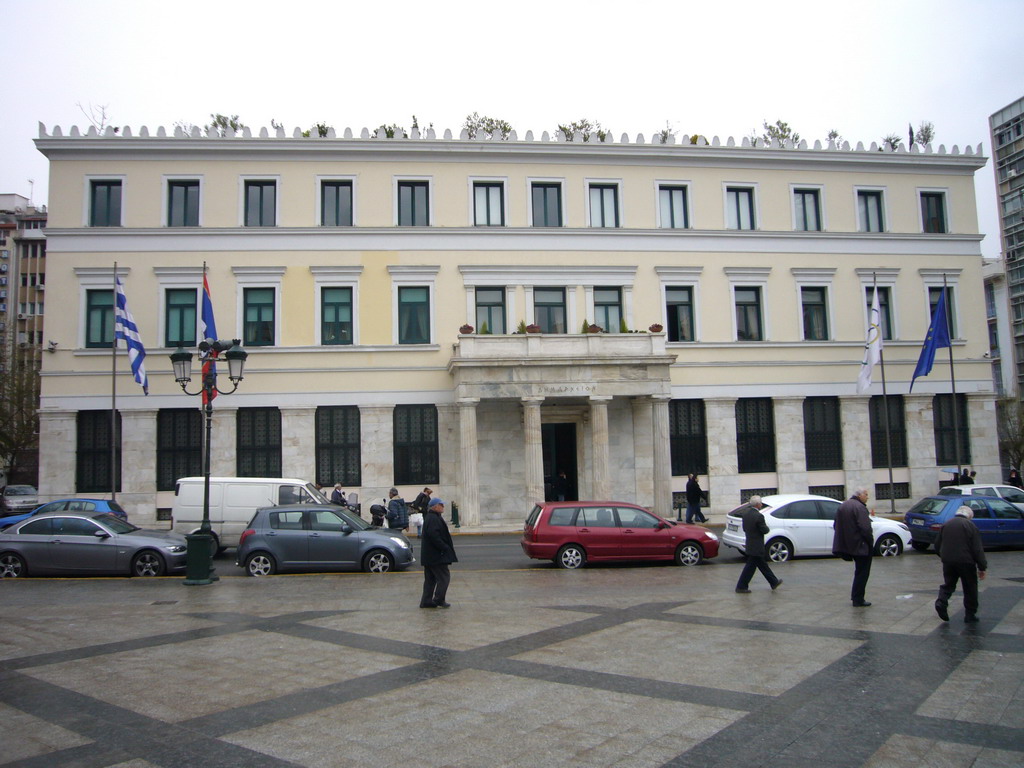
[
  {"x": 963, "y": 559},
  {"x": 437, "y": 552}
]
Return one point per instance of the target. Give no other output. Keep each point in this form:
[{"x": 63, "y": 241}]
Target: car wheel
[
  {"x": 571, "y": 556},
  {"x": 889, "y": 545},
  {"x": 148, "y": 563},
  {"x": 260, "y": 564},
  {"x": 920, "y": 546},
  {"x": 779, "y": 550},
  {"x": 689, "y": 553},
  {"x": 378, "y": 561},
  {"x": 12, "y": 566}
]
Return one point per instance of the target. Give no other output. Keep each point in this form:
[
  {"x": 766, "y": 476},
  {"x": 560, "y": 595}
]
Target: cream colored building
[{"x": 348, "y": 265}]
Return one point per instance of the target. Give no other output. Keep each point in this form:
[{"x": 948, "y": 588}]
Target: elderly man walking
[
  {"x": 755, "y": 527},
  {"x": 437, "y": 552},
  {"x": 853, "y": 540},
  {"x": 963, "y": 559}
]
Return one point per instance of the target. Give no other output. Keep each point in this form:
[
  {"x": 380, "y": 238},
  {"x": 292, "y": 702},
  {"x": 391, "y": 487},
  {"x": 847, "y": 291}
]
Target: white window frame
[
  {"x": 937, "y": 278},
  {"x": 171, "y": 278},
  {"x": 944, "y": 191},
  {"x": 87, "y": 197},
  {"x": 165, "y": 196},
  {"x": 682, "y": 277},
  {"x": 885, "y": 209},
  {"x": 413, "y": 276},
  {"x": 685, "y": 185},
  {"x": 473, "y": 181},
  {"x": 749, "y": 277},
  {"x": 820, "y": 189},
  {"x": 257, "y": 277},
  {"x": 395, "y": 181},
  {"x": 530, "y": 181},
  {"x": 619, "y": 209},
  {"x": 276, "y": 178},
  {"x": 815, "y": 277},
  {"x": 335, "y": 277},
  {"x": 754, "y": 188},
  {"x": 96, "y": 279},
  {"x": 507, "y": 289},
  {"x": 883, "y": 277},
  {"x": 318, "y": 196}
]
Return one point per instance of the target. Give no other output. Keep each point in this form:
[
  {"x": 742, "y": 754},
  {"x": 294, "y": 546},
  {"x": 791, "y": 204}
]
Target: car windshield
[
  {"x": 950, "y": 492},
  {"x": 115, "y": 523},
  {"x": 738, "y": 512},
  {"x": 318, "y": 497},
  {"x": 928, "y": 507},
  {"x": 355, "y": 521},
  {"x": 20, "y": 490}
]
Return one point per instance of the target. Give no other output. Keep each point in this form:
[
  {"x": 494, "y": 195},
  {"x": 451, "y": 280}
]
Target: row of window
[{"x": 413, "y": 205}]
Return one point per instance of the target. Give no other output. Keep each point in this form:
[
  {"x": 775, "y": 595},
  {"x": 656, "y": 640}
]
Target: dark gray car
[
  {"x": 66, "y": 543},
  {"x": 319, "y": 538}
]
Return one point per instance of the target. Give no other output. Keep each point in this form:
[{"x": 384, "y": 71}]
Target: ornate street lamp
[{"x": 199, "y": 555}]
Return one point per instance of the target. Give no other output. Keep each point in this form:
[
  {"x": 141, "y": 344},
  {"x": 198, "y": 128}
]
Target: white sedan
[
  {"x": 1008, "y": 493},
  {"x": 801, "y": 524}
]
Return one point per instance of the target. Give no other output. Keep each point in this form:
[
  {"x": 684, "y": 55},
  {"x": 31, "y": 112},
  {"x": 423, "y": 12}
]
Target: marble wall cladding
[
  {"x": 376, "y": 425},
  {"x": 57, "y": 442},
  {"x": 502, "y": 466},
  {"x": 642, "y": 476},
  {"x": 855, "y": 422},
  {"x": 790, "y": 453},
  {"x": 622, "y": 449},
  {"x": 981, "y": 412},
  {"x": 138, "y": 476},
  {"x": 225, "y": 441},
  {"x": 920, "y": 425},
  {"x": 298, "y": 443},
  {"x": 723, "y": 467}
]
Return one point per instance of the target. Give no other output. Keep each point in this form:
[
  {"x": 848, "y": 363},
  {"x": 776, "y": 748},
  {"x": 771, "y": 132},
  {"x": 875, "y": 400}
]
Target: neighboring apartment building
[{"x": 349, "y": 265}]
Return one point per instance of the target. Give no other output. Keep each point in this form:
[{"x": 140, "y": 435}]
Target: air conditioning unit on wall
[{"x": 22, "y": 316}]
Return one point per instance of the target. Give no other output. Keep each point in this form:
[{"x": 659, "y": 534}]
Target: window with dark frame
[
  {"x": 813, "y": 301},
  {"x": 259, "y": 317},
  {"x": 414, "y": 314},
  {"x": 258, "y": 442},
  {"x": 933, "y": 300},
  {"x": 260, "y": 203},
  {"x": 99, "y": 318},
  {"x": 490, "y": 310},
  {"x": 93, "y": 454},
  {"x": 608, "y": 309},
  {"x": 869, "y": 202},
  {"x": 748, "y": 314},
  {"x": 105, "y": 203},
  {"x": 679, "y": 312},
  {"x": 488, "y": 204},
  {"x": 179, "y": 450},
  {"x": 180, "y": 317},
  {"x": 183, "y": 203},
  {"x": 413, "y": 203},
  {"x": 547, "y": 204},
  {"x": 336, "y": 203},
  {"x": 933, "y": 212},
  {"x": 415, "y": 445},
  {"x": 740, "y": 208},
  {"x": 338, "y": 452},
  {"x": 823, "y": 434},
  {"x": 604, "y": 205},
  {"x": 674, "y": 209},
  {"x": 549, "y": 309},
  {"x": 896, "y": 443},
  {"x": 808, "y": 209},
  {"x": 688, "y": 439},
  {"x": 884, "y": 309},
  {"x": 946, "y": 437},
  {"x": 336, "y": 316},
  {"x": 755, "y": 434}
]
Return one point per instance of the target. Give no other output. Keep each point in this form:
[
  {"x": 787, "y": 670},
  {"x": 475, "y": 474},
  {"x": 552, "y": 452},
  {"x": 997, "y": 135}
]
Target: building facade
[{"x": 481, "y": 315}]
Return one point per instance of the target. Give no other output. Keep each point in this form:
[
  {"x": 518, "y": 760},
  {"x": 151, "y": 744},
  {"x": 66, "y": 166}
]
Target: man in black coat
[
  {"x": 854, "y": 540},
  {"x": 437, "y": 552},
  {"x": 754, "y": 528},
  {"x": 963, "y": 559},
  {"x": 693, "y": 499}
]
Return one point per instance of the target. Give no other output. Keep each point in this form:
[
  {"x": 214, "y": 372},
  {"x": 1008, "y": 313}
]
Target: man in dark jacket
[
  {"x": 693, "y": 499},
  {"x": 398, "y": 512},
  {"x": 754, "y": 528},
  {"x": 853, "y": 540},
  {"x": 963, "y": 559},
  {"x": 437, "y": 552}
]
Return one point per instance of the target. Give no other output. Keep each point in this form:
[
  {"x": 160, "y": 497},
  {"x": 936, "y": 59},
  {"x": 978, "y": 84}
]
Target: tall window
[
  {"x": 933, "y": 300},
  {"x": 807, "y": 204},
  {"x": 884, "y": 308},
  {"x": 336, "y": 316},
  {"x": 946, "y": 438},
  {"x": 488, "y": 204},
  {"x": 933, "y": 211},
  {"x": 338, "y": 457},
  {"x": 179, "y": 435},
  {"x": 259, "y": 317},
  {"x": 869, "y": 204},
  {"x": 674, "y": 211},
  {"x": 490, "y": 310},
  {"x": 414, "y": 314},
  {"x": 815, "y": 312},
  {"x": 895, "y": 446},
  {"x": 260, "y": 203},
  {"x": 415, "y": 441},
  {"x": 549, "y": 309},
  {"x": 105, "y": 204},
  {"x": 823, "y": 435},
  {"x": 547, "y": 204},
  {"x": 180, "y": 318},
  {"x": 604, "y": 205},
  {"x": 413, "y": 203},
  {"x": 93, "y": 455},
  {"x": 99, "y": 318},
  {"x": 608, "y": 309},
  {"x": 755, "y": 434},
  {"x": 740, "y": 207},
  {"x": 688, "y": 437},
  {"x": 183, "y": 203},
  {"x": 336, "y": 203},
  {"x": 748, "y": 314},
  {"x": 259, "y": 442},
  {"x": 679, "y": 309}
]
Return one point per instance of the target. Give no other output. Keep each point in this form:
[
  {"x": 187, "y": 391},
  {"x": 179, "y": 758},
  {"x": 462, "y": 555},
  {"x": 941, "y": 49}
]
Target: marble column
[
  {"x": 58, "y": 436},
  {"x": 469, "y": 479},
  {"x": 662, "y": 457},
  {"x": 791, "y": 453},
  {"x": 643, "y": 451},
  {"x": 723, "y": 460},
  {"x": 920, "y": 426},
  {"x": 298, "y": 443},
  {"x": 534, "y": 450},
  {"x": 855, "y": 423},
  {"x": 599, "y": 439}
]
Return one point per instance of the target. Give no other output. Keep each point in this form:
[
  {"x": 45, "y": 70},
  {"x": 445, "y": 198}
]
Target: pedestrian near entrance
[
  {"x": 754, "y": 528},
  {"x": 853, "y": 540},
  {"x": 437, "y": 553},
  {"x": 694, "y": 494},
  {"x": 338, "y": 495},
  {"x": 398, "y": 511},
  {"x": 963, "y": 559},
  {"x": 1014, "y": 479},
  {"x": 967, "y": 477}
]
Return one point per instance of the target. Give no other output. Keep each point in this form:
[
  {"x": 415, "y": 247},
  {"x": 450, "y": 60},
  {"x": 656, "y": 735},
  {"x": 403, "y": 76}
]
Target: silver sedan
[{"x": 65, "y": 544}]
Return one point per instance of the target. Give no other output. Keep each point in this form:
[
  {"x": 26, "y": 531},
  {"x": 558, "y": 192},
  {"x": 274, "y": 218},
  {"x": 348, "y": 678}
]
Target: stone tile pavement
[{"x": 608, "y": 666}]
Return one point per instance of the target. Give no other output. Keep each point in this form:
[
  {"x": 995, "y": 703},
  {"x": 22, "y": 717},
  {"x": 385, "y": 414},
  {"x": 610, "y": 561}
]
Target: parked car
[
  {"x": 571, "y": 533},
  {"x": 18, "y": 498},
  {"x": 1006, "y": 492},
  {"x": 68, "y": 505},
  {"x": 314, "y": 537},
  {"x": 69, "y": 543},
  {"x": 1001, "y": 524},
  {"x": 801, "y": 524}
]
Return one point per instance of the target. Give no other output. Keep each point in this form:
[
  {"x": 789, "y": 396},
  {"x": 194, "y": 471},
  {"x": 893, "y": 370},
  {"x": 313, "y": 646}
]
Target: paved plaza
[{"x": 609, "y": 666}]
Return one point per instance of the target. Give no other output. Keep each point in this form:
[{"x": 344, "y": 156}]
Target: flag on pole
[
  {"x": 872, "y": 346},
  {"x": 938, "y": 337},
  {"x": 209, "y": 332},
  {"x": 125, "y": 328}
]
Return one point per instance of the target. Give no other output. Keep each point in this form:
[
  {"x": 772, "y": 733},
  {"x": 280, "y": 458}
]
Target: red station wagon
[{"x": 572, "y": 532}]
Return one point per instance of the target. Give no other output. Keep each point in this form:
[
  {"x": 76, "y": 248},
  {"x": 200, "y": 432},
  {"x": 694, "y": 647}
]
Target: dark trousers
[
  {"x": 755, "y": 562},
  {"x": 968, "y": 574},
  {"x": 861, "y": 572},
  {"x": 693, "y": 511},
  {"x": 435, "y": 584}
]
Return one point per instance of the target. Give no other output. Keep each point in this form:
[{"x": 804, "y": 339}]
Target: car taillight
[
  {"x": 935, "y": 527},
  {"x": 245, "y": 534}
]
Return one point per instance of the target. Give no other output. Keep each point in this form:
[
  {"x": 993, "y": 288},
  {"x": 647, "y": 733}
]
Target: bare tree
[
  {"x": 97, "y": 115},
  {"x": 19, "y": 405},
  {"x": 1011, "y": 430}
]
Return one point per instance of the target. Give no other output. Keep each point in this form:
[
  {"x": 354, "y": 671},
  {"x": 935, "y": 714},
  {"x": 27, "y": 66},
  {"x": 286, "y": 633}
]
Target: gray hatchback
[{"x": 314, "y": 537}]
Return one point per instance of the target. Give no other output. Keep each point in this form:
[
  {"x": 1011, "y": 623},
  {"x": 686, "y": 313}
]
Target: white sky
[{"x": 866, "y": 68}]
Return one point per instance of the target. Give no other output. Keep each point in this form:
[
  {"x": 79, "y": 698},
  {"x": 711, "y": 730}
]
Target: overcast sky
[{"x": 866, "y": 68}]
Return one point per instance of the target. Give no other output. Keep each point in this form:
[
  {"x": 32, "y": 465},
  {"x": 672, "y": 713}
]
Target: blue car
[
  {"x": 95, "y": 506},
  {"x": 1001, "y": 524}
]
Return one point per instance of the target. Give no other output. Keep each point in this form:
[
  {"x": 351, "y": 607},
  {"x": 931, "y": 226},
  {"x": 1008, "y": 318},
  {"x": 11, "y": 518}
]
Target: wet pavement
[{"x": 608, "y": 666}]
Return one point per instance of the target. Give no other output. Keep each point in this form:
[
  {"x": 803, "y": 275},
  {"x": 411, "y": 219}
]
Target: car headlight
[
  {"x": 176, "y": 549},
  {"x": 400, "y": 542},
  {"x": 905, "y": 528},
  {"x": 710, "y": 535}
]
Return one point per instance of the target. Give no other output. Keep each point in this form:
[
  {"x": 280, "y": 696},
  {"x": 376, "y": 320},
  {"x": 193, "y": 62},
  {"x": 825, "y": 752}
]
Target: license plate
[
  {"x": 917, "y": 522},
  {"x": 733, "y": 527}
]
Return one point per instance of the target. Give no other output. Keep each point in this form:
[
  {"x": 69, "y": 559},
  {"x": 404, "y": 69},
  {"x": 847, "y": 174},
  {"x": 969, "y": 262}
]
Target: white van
[{"x": 233, "y": 502}]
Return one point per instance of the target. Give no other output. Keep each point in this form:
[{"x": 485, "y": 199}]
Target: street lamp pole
[{"x": 199, "y": 552}]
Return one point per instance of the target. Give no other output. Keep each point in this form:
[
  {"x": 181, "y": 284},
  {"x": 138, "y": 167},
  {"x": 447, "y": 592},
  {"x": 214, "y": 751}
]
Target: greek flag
[{"x": 125, "y": 328}]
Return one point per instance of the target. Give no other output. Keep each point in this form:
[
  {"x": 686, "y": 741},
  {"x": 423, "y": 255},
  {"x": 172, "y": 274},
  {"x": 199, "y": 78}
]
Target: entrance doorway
[{"x": 559, "y": 446}]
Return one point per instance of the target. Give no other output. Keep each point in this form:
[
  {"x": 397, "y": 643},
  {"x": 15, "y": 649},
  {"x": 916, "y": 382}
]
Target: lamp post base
[{"x": 199, "y": 569}]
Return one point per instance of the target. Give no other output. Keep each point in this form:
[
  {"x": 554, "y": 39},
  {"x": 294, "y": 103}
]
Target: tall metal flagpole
[
  {"x": 885, "y": 406},
  {"x": 113, "y": 387},
  {"x": 952, "y": 380}
]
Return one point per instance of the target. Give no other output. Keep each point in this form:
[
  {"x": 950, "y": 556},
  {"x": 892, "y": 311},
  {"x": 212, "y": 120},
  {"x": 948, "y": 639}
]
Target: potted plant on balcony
[
  {"x": 594, "y": 328},
  {"x": 466, "y": 328},
  {"x": 533, "y": 328},
  {"x": 656, "y": 328}
]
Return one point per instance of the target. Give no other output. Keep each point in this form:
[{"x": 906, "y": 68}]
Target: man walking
[
  {"x": 853, "y": 540},
  {"x": 693, "y": 498},
  {"x": 963, "y": 559},
  {"x": 754, "y": 528},
  {"x": 437, "y": 552}
]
